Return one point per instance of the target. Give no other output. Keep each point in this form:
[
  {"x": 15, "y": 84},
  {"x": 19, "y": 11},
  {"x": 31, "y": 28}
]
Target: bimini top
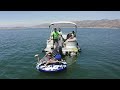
[{"x": 63, "y": 22}]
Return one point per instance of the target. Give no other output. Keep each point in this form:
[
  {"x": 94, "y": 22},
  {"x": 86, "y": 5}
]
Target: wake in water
[{"x": 70, "y": 59}]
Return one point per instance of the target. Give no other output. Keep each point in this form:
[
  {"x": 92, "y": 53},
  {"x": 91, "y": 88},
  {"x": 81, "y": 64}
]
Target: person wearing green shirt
[{"x": 55, "y": 35}]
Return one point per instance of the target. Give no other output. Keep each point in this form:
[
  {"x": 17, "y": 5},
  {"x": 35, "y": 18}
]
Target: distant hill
[
  {"x": 44, "y": 25},
  {"x": 104, "y": 23}
]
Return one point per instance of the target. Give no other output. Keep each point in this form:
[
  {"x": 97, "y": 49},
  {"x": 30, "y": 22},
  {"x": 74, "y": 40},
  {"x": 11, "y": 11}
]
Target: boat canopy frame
[{"x": 64, "y": 22}]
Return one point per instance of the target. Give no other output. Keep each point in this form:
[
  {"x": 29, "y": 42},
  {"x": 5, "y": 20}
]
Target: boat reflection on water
[{"x": 70, "y": 59}]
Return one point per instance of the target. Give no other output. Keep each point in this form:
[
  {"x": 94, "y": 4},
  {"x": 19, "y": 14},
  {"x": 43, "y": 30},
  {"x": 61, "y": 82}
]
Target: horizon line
[{"x": 31, "y": 25}]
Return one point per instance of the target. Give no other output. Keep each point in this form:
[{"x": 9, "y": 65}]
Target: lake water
[{"x": 99, "y": 58}]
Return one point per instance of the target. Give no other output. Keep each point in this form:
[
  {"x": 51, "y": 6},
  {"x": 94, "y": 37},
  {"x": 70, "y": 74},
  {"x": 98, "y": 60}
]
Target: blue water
[{"x": 99, "y": 58}]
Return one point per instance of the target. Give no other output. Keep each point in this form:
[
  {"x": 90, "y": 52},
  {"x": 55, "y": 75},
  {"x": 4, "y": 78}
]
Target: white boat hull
[{"x": 71, "y": 47}]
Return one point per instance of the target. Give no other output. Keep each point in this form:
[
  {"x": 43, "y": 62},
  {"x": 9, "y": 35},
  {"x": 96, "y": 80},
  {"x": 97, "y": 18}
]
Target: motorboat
[{"x": 68, "y": 45}]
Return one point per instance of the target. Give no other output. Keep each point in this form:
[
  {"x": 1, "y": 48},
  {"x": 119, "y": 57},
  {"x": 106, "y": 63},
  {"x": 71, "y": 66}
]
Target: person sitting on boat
[
  {"x": 55, "y": 36},
  {"x": 69, "y": 35},
  {"x": 49, "y": 55},
  {"x": 56, "y": 59},
  {"x": 71, "y": 38},
  {"x": 73, "y": 33},
  {"x": 60, "y": 33}
]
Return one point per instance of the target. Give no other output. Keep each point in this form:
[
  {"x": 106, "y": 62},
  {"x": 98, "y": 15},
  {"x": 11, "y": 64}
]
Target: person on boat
[
  {"x": 61, "y": 39},
  {"x": 73, "y": 33},
  {"x": 60, "y": 33},
  {"x": 69, "y": 35},
  {"x": 49, "y": 55},
  {"x": 55, "y": 36},
  {"x": 59, "y": 30},
  {"x": 71, "y": 38},
  {"x": 56, "y": 59}
]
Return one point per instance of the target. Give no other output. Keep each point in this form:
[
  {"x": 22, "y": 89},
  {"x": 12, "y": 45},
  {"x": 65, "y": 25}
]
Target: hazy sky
[{"x": 12, "y": 18}]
